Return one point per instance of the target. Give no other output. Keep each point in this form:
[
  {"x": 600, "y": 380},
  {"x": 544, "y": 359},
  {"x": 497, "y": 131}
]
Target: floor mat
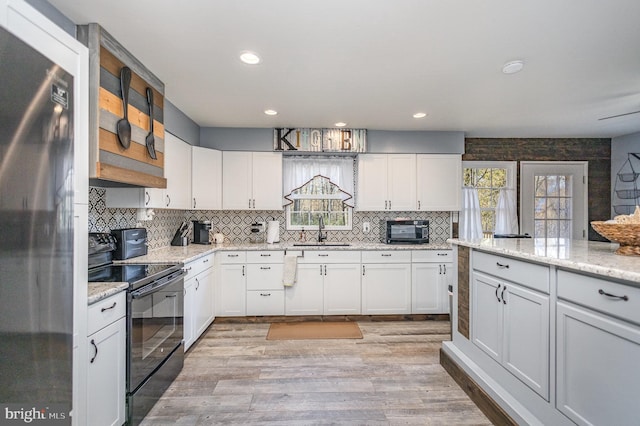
[{"x": 314, "y": 330}]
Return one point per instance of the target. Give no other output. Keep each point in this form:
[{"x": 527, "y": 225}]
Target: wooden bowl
[{"x": 626, "y": 234}]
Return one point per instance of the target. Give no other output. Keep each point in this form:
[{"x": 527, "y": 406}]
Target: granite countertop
[
  {"x": 100, "y": 291},
  {"x": 186, "y": 254},
  {"x": 579, "y": 255}
]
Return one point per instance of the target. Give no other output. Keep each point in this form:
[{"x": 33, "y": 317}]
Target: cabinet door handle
[
  {"x": 497, "y": 290},
  {"x": 168, "y": 200},
  {"x": 363, "y": 270},
  {"x": 385, "y": 204},
  {"x": 325, "y": 270},
  {"x": 439, "y": 269},
  {"x": 502, "y": 295},
  {"x": 500, "y": 265},
  {"x": 232, "y": 255},
  {"x": 442, "y": 254},
  {"x": 171, "y": 295},
  {"x": 148, "y": 198},
  {"x": 323, "y": 255},
  {"x": 243, "y": 270},
  {"x": 265, "y": 267},
  {"x": 93, "y": 342},
  {"x": 265, "y": 294},
  {"x": 320, "y": 270},
  {"x": 418, "y": 204},
  {"x": 385, "y": 255},
  {"x": 613, "y": 296},
  {"x": 249, "y": 202},
  {"x": 205, "y": 261},
  {"x": 265, "y": 254},
  {"x": 194, "y": 202},
  {"x": 197, "y": 284},
  {"x": 110, "y": 307},
  {"x": 254, "y": 203},
  {"x": 389, "y": 204},
  {"x": 444, "y": 269}
]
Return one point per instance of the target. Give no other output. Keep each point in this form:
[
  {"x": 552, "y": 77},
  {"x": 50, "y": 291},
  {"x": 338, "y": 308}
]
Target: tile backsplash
[{"x": 235, "y": 224}]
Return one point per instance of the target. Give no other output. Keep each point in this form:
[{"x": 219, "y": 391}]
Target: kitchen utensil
[
  {"x": 180, "y": 237},
  {"x": 123, "y": 127},
  {"x": 150, "y": 142}
]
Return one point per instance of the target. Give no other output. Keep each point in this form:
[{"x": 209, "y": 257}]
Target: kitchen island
[{"x": 546, "y": 331}]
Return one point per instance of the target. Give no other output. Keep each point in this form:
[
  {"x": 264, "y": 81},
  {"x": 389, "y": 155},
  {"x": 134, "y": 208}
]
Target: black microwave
[{"x": 402, "y": 231}]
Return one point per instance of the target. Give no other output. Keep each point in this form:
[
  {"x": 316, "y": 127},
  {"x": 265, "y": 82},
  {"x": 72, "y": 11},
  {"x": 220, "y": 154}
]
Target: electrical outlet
[{"x": 366, "y": 227}]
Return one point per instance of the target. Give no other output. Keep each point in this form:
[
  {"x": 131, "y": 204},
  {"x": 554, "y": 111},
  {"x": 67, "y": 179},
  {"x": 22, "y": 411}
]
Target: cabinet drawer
[
  {"x": 437, "y": 256},
  {"x": 585, "y": 290},
  {"x": 329, "y": 256},
  {"x": 386, "y": 256},
  {"x": 232, "y": 256},
  {"x": 265, "y": 276},
  {"x": 265, "y": 302},
  {"x": 106, "y": 311},
  {"x": 198, "y": 265},
  {"x": 276, "y": 256},
  {"x": 524, "y": 273}
]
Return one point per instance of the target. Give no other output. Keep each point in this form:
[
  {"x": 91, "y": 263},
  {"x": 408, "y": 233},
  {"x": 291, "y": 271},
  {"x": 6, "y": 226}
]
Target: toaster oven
[{"x": 403, "y": 231}]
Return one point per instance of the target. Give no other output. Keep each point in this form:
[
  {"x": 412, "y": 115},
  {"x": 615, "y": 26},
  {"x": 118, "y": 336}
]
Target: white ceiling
[{"x": 373, "y": 63}]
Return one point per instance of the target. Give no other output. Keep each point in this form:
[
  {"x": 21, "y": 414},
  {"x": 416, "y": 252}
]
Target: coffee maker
[{"x": 201, "y": 230}]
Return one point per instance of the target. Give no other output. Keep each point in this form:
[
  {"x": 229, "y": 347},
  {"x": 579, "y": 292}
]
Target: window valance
[{"x": 297, "y": 171}]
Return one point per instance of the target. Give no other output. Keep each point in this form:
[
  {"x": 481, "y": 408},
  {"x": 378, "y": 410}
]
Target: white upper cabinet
[
  {"x": 386, "y": 182},
  {"x": 251, "y": 180},
  {"x": 206, "y": 178},
  {"x": 439, "y": 178},
  {"x": 177, "y": 170}
]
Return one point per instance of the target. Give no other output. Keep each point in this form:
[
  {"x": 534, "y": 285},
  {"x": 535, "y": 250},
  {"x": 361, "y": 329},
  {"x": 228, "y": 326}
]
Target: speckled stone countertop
[
  {"x": 192, "y": 252},
  {"x": 579, "y": 255},
  {"x": 100, "y": 291}
]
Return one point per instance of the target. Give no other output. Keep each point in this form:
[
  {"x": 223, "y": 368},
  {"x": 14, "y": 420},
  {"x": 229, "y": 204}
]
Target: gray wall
[
  {"x": 620, "y": 147},
  {"x": 54, "y": 15},
  {"x": 179, "y": 124},
  {"x": 261, "y": 139}
]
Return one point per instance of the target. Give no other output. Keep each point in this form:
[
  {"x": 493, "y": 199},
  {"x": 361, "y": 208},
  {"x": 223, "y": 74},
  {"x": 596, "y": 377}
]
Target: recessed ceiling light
[
  {"x": 340, "y": 124},
  {"x": 249, "y": 58},
  {"x": 419, "y": 115},
  {"x": 270, "y": 111},
  {"x": 513, "y": 67}
]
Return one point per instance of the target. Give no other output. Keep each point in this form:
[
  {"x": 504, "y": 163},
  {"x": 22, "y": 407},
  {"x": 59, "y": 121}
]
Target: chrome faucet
[{"x": 321, "y": 237}]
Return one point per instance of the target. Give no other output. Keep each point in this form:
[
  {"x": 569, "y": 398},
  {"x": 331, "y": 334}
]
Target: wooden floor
[{"x": 234, "y": 376}]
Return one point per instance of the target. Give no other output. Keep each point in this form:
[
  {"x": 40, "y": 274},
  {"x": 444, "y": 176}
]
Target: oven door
[{"x": 155, "y": 328}]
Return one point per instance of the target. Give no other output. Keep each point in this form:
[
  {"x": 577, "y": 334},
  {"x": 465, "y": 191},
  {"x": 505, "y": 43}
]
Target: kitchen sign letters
[{"x": 320, "y": 140}]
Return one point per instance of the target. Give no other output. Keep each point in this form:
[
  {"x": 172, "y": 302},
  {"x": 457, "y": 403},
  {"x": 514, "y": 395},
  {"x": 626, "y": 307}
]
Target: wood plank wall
[
  {"x": 463, "y": 291},
  {"x": 109, "y": 160}
]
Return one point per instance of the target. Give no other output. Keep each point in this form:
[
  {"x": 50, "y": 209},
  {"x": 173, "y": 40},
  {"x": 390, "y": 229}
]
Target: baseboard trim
[
  {"x": 283, "y": 318},
  {"x": 485, "y": 403}
]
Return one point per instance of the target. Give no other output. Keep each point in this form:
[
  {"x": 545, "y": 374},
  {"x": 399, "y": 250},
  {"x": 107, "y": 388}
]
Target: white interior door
[{"x": 553, "y": 199}]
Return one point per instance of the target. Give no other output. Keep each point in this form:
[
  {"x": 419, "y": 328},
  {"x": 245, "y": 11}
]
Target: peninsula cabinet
[
  {"x": 386, "y": 182},
  {"x": 509, "y": 321},
  {"x": 251, "y": 180},
  {"x": 598, "y": 335},
  {"x": 206, "y": 178},
  {"x": 107, "y": 351},
  {"x": 386, "y": 282},
  {"x": 439, "y": 178}
]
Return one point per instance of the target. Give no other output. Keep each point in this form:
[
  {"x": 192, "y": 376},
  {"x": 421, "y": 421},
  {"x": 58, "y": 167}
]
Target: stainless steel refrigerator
[{"x": 36, "y": 230}]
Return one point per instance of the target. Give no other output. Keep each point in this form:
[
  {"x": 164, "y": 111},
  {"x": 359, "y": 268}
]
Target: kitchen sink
[{"x": 321, "y": 244}]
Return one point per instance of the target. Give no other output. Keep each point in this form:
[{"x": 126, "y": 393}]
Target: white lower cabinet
[
  {"x": 328, "y": 283},
  {"x": 231, "y": 291},
  {"x": 106, "y": 388},
  {"x": 198, "y": 298},
  {"x": 431, "y": 274},
  {"x": 511, "y": 324},
  {"x": 386, "y": 284},
  {"x": 265, "y": 292},
  {"x": 598, "y": 350}
]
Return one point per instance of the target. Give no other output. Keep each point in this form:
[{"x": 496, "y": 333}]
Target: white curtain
[
  {"x": 297, "y": 171},
  {"x": 470, "y": 223},
  {"x": 506, "y": 213}
]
